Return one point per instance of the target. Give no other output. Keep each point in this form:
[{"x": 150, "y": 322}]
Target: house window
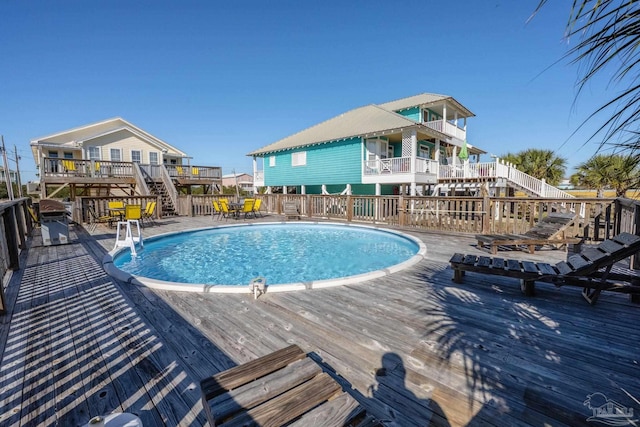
[
  {"x": 116, "y": 155},
  {"x": 153, "y": 158},
  {"x": 136, "y": 156},
  {"x": 67, "y": 155},
  {"x": 272, "y": 161},
  {"x": 93, "y": 153},
  {"x": 424, "y": 151},
  {"x": 299, "y": 158},
  {"x": 53, "y": 154}
]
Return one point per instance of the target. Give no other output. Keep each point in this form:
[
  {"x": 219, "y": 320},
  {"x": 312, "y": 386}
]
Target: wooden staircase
[{"x": 159, "y": 189}]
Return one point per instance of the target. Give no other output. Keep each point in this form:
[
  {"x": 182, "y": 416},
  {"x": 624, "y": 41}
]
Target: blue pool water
[{"x": 282, "y": 253}]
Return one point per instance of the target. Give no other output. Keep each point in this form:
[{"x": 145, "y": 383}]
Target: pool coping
[{"x": 113, "y": 271}]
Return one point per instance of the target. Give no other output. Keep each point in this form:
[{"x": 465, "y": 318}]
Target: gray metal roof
[
  {"x": 424, "y": 100},
  {"x": 361, "y": 121}
]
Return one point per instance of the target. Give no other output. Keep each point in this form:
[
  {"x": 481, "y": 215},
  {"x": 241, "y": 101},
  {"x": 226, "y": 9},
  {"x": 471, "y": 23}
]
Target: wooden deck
[{"x": 416, "y": 348}]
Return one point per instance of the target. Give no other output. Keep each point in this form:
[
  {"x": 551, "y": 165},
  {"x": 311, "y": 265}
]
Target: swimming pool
[{"x": 289, "y": 256}]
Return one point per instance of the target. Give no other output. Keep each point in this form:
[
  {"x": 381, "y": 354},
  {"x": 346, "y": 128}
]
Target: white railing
[
  {"x": 500, "y": 169},
  {"x": 447, "y": 128},
  {"x": 394, "y": 165},
  {"x": 426, "y": 166}
]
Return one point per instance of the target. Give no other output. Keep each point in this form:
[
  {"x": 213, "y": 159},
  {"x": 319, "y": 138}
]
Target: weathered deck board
[{"x": 79, "y": 343}]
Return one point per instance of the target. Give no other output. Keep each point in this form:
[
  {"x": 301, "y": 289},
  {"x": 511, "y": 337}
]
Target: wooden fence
[
  {"x": 596, "y": 219},
  {"x": 16, "y": 225},
  {"x": 489, "y": 215}
]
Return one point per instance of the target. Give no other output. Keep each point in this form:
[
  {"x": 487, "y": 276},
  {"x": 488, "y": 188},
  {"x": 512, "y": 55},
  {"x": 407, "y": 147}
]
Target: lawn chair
[
  {"x": 286, "y": 387},
  {"x": 247, "y": 208},
  {"x": 217, "y": 211},
  {"x": 149, "y": 211},
  {"x": 226, "y": 211},
  {"x": 554, "y": 229},
  {"x": 590, "y": 269},
  {"x": 290, "y": 210},
  {"x": 256, "y": 208}
]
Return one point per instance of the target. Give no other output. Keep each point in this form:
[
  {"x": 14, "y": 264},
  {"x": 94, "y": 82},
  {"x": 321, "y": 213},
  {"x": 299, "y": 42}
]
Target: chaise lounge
[
  {"x": 590, "y": 269},
  {"x": 285, "y": 387},
  {"x": 554, "y": 229}
]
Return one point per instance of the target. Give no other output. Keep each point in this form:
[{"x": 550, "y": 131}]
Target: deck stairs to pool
[
  {"x": 159, "y": 189},
  {"x": 513, "y": 178}
]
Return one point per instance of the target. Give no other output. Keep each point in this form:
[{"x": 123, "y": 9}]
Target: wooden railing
[
  {"x": 597, "y": 219},
  {"x": 85, "y": 168},
  {"x": 208, "y": 173},
  {"x": 15, "y": 227}
]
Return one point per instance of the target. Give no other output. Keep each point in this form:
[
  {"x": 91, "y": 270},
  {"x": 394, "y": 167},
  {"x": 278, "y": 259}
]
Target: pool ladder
[{"x": 129, "y": 239}]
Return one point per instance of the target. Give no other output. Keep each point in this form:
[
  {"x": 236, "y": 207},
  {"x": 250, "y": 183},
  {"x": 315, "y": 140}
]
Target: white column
[
  {"x": 378, "y": 189},
  {"x": 436, "y": 155},
  {"x": 349, "y": 190},
  {"x": 255, "y": 171},
  {"x": 414, "y": 150},
  {"x": 303, "y": 189},
  {"x": 284, "y": 189},
  {"x": 413, "y": 189}
]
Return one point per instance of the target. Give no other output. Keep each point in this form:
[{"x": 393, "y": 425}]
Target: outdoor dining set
[
  {"x": 246, "y": 208},
  {"x": 119, "y": 211}
]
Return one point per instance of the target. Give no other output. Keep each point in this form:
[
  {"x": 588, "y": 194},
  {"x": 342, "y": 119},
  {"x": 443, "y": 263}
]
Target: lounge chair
[
  {"x": 553, "y": 229},
  {"x": 285, "y": 387},
  {"x": 290, "y": 210},
  {"x": 590, "y": 269}
]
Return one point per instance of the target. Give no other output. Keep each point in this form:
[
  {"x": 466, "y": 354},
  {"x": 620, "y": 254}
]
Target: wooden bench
[
  {"x": 290, "y": 210},
  {"x": 283, "y": 387}
]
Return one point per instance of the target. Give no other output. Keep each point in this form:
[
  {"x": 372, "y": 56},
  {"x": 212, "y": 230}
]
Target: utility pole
[
  {"x": 7, "y": 172},
  {"x": 18, "y": 179}
]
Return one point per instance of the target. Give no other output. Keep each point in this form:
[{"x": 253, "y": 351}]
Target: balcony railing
[
  {"x": 447, "y": 128},
  {"x": 194, "y": 172},
  {"x": 54, "y": 167}
]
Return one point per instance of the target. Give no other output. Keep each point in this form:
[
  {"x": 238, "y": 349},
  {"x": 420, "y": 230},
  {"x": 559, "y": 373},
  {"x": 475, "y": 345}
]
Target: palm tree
[
  {"x": 608, "y": 36},
  {"x": 541, "y": 164},
  {"x": 608, "y": 171}
]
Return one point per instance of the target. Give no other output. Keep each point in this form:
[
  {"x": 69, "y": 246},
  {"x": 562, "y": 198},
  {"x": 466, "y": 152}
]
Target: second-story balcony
[
  {"x": 400, "y": 169},
  {"x": 81, "y": 170},
  {"x": 447, "y": 128}
]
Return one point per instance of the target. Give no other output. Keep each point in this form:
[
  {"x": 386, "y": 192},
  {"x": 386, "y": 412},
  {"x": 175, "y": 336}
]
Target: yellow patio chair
[
  {"x": 149, "y": 210},
  {"x": 247, "y": 208},
  {"x": 226, "y": 211},
  {"x": 179, "y": 170},
  {"x": 116, "y": 210},
  {"x": 256, "y": 208},
  {"x": 216, "y": 210}
]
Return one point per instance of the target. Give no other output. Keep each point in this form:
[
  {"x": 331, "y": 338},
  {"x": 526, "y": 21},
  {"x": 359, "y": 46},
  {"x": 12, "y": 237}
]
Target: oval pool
[{"x": 289, "y": 256}]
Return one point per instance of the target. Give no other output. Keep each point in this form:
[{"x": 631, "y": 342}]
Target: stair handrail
[
  {"x": 141, "y": 183},
  {"x": 168, "y": 184},
  {"x": 529, "y": 183}
]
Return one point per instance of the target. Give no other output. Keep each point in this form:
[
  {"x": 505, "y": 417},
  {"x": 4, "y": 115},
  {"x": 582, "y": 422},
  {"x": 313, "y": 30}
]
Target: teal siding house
[{"x": 393, "y": 148}]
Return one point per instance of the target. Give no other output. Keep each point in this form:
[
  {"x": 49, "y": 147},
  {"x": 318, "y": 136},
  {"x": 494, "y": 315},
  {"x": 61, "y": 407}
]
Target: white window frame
[
  {"x": 422, "y": 148},
  {"x": 157, "y": 154},
  {"x": 272, "y": 161},
  {"x": 117, "y": 150},
  {"x": 299, "y": 158},
  {"x": 92, "y": 155},
  {"x": 140, "y": 156}
]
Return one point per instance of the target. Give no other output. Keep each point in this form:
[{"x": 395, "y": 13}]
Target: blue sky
[{"x": 220, "y": 79}]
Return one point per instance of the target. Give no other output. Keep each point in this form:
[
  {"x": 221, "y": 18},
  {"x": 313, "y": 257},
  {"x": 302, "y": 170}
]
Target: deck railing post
[
  {"x": 486, "y": 214},
  {"x": 401, "y": 212}
]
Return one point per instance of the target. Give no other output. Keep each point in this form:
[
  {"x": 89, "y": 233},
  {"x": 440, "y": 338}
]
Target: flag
[{"x": 464, "y": 154}]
